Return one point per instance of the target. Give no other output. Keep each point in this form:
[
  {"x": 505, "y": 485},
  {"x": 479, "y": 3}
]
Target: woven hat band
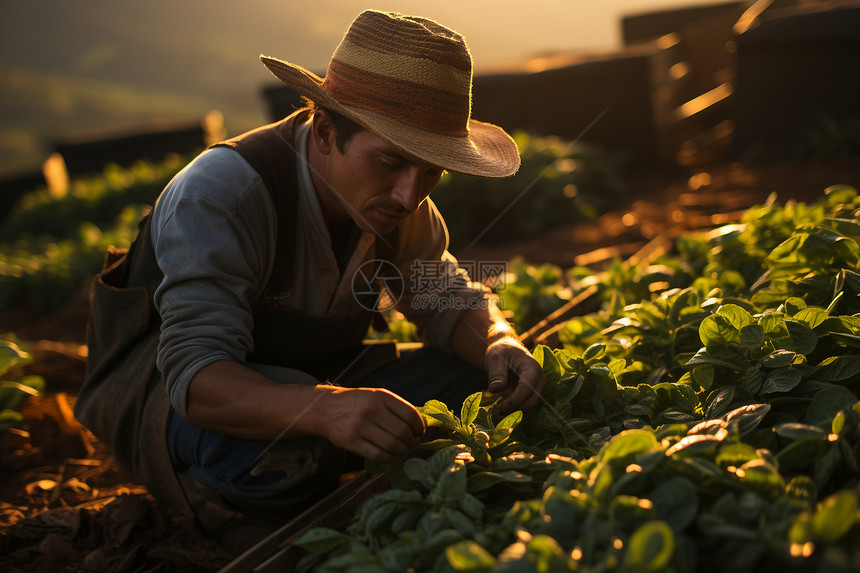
[
  {"x": 414, "y": 71},
  {"x": 433, "y": 110}
]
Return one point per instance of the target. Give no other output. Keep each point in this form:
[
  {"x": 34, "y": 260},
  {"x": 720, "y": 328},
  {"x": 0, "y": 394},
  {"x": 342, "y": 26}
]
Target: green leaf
[
  {"x": 515, "y": 476},
  {"x": 627, "y": 445},
  {"x": 703, "y": 375},
  {"x": 839, "y": 368},
  {"x": 794, "y": 304},
  {"x": 735, "y": 455},
  {"x": 827, "y": 403},
  {"x": 600, "y": 481},
  {"x": 803, "y": 339},
  {"x": 811, "y": 317},
  {"x": 782, "y": 380},
  {"x": 736, "y": 315},
  {"x": 838, "y": 422},
  {"x": 721, "y": 402},
  {"x": 834, "y": 517},
  {"x": 732, "y": 354},
  {"x": 839, "y": 194},
  {"x": 761, "y": 477},
  {"x": 801, "y": 454},
  {"x": 703, "y": 357},
  {"x": 685, "y": 299},
  {"x": 752, "y": 336},
  {"x": 418, "y": 470},
  {"x": 798, "y": 431},
  {"x": 826, "y": 466},
  {"x": 10, "y": 419},
  {"x": 510, "y": 421},
  {"x": 437, "y": 414},
  {"x": 778, "y": 359},
  {"x": 638, "y": 410},
  {"x": 717, "y": 329},
  {"x": 439, "y": 444},
  {"x": 753, "y": 380},
  {"x": 33, "y": 384},
  {"x": 552, "y": 368},
  {"x": 676, "y": 502},
  {"x": 773, "y": 324},
  {"x": 545, "y": 553},
  {"x": 469, "y": 410},
  {"x": 787, "y": 251},
  {"x": 514, "y": 461},
  {"x": 320, "y": 540},
  {"x": 483, "y": 480},
  {"x": 452, "y": 483},
  {"x": 650, "y": 548},
  {"x": 747, "y": 417},
  {"x": 694, "y": 445},
  {"x": 467, "y": 555},
  {"x": 572, "y": 385},
  {"x": 11, "y": 355}
]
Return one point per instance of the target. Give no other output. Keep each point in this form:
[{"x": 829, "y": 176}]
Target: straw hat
[{"x": 408, "y": 80}]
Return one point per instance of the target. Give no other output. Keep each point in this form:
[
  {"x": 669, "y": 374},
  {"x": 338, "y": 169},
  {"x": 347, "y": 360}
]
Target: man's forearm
[
  {"x": 231, "y": 399},
  {"x": 234, "y": 400},
  {"x": 476, "y": 330}
]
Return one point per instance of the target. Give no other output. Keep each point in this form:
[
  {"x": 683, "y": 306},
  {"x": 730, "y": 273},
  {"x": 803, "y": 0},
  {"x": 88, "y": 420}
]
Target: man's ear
[{"x": 322, "y": 132}]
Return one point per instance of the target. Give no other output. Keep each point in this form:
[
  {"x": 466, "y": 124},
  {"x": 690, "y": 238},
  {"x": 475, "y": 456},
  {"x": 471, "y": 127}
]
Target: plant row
[
  {"x": 706, "y": 418},
  {"x": 52, "y": 244}
]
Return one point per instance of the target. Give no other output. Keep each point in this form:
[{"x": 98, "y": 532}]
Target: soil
[{"x": 65, "y": 505}]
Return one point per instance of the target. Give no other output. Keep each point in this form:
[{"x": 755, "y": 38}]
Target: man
[{"x": 241, "y": 288}]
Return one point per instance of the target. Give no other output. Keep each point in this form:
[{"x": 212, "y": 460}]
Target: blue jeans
[{"x": 277, "y": 479}]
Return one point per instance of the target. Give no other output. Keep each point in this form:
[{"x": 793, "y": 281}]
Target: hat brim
[{"x": 487, "y": 151}]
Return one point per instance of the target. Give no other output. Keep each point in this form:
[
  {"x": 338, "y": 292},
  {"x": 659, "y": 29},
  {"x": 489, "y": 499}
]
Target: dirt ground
[{"x": 65, "y": 505}]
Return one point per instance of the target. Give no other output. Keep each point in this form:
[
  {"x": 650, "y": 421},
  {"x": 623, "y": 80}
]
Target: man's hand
[
  {"x": 232, "y": 399},
  {"x": 513, "y": 373},
  {"x": 371, "y": 422},
  {"x": 485, "y": 339}
]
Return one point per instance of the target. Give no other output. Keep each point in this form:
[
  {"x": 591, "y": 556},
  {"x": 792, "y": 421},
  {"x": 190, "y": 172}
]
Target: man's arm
[
  {"x": 232, "y": 399},
  {"x": 484, "y": 339}
]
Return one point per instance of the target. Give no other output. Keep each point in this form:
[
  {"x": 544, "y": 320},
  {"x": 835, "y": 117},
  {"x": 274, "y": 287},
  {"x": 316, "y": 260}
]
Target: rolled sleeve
[{"x": 212, "y": 236}]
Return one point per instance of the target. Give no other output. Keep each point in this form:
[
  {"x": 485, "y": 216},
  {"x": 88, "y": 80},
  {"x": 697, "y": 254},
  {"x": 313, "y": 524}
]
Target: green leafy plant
[
  {"x": 14, "y": 392},
  {"x": 531, "y": 292},
  {"x": 711, "y": 425},
  {"x": 52, "y": 244},
  {"x": 559, "y": 182}
]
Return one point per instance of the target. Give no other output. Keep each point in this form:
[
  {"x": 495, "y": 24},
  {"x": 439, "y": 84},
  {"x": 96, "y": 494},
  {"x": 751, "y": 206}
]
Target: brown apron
[{"x": 124, "y": 401}]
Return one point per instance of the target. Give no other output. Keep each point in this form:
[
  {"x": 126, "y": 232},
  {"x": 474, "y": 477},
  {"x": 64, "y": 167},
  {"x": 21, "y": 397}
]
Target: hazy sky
[
  {"x": 497, "y": 31},
  {"x": 72, "y": 65}
]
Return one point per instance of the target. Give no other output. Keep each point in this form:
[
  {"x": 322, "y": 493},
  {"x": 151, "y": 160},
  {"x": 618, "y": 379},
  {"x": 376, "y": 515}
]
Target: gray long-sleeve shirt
[{"x": 214, "y": 232}]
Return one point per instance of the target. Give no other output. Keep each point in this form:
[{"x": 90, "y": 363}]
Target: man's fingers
[
  {"x": 526, "y": 394},
  {"x": 373, "y": 423},
  {"x": 407, "y": 413},
  {"x": 498, "y": 371},
  {"x": 387, "y": 443},
  {"x": 528, "y": 382}
]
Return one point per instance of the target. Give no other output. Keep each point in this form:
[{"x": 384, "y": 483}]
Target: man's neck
[{"x": 333, "y": 212}]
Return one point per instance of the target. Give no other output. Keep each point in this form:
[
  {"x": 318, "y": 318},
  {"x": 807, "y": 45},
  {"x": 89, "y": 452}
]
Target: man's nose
[{"x": 408, "y": 190}]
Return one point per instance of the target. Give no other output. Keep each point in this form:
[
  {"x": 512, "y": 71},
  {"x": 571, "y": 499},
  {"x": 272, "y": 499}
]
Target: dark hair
[{"x": 344, "y": 128}]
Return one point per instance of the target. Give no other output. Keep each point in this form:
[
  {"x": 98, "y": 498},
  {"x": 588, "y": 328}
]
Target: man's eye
[{"x": 391, "y": 162}]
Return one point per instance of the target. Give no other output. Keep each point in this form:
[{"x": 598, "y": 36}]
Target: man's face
[{"x": 374, "y": 182}]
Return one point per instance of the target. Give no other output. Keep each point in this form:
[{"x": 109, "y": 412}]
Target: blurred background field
[{"x": 636, "y": 123}]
